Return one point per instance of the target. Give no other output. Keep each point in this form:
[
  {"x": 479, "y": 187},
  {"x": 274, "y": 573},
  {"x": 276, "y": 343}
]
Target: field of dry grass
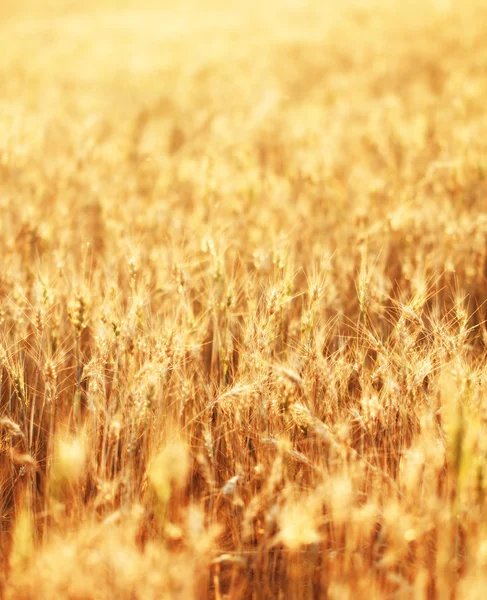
[{"x": 243, "y": 268}]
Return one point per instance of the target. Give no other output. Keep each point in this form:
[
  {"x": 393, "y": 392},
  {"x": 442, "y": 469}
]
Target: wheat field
[{"x": 243, "y": 274}]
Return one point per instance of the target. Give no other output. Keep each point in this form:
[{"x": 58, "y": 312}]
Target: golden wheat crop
[{"x": 243, "y": 274}]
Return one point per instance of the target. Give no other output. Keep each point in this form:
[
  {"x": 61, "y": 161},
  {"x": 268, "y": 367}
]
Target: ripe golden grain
[{"x": 243, "y": 271}]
